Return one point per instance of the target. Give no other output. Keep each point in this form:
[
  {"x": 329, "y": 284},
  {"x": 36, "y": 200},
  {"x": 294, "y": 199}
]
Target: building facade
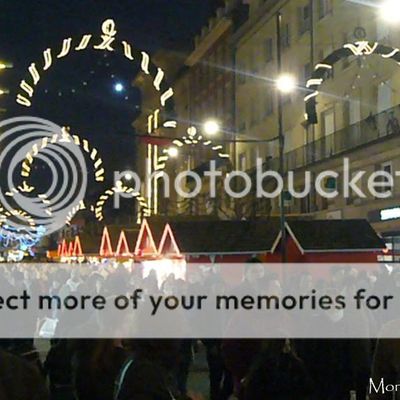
[
  {"x": 230, "y": 76},
  {"x": 357, "y": 107}
]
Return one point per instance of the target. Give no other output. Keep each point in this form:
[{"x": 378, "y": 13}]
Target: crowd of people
[{"x": 150, "y": 369}]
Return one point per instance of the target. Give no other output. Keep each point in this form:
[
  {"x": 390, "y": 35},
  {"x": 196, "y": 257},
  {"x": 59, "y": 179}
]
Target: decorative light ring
[
  {"x": 64, "y": 136},
  {"x": 109, "y": 43},
  {"x": 5, "y": 214},
  {"x": 322, "y": 69},
  {"x": 119, "y": 188},
  {"x": 9, "y": 213}
]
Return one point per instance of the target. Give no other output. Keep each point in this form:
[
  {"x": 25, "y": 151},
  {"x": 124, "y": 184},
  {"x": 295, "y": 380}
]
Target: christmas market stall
[
  {"x": 219, "y": 242},
  {"x": 332, "y": 241}
]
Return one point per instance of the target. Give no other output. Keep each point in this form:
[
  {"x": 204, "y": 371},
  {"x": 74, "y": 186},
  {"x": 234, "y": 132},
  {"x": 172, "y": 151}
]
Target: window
[
  {"x": 385, "y": 96},
  {"x": 254, "y": 113},
  {"x": 285, "y": 36},
  {"x": 386, "y": 167},
  {"x": 348, "y": 38},
  {"x": 382, "y": 30},
  {"x": 327, "y": 51},
  {"x": 325, "y": 8},
  {"x": 328, "y": 121},
  {"x": 352, "y": 194},
  {"x": 252, "y": 60},
  {"x": 253, "y": 157},
  {"x": 307, "y": 72},
  {"x": 241, "y": 77},
  {"x": 269, "y": 50},
  {"x": 268, "y": 104},
  {"x": 242, "y": 126},
  {"x": 328, "y": 125},
  {"x": 304, "y": 19},
  {"x": 242, "y": 162}
]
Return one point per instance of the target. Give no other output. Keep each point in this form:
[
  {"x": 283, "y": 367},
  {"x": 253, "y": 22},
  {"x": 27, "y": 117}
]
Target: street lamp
[
  {"x": 390, "y": 11},
  {"x": 211, "y": 127},
  {"x": 4, "y": 65},
  {"x": 173, "y": 152},
  {"x": 286, "y": 83}
]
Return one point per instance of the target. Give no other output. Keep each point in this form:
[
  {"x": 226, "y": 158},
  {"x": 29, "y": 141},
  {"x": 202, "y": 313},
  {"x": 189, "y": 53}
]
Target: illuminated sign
[{"x": 390, "y": 213}]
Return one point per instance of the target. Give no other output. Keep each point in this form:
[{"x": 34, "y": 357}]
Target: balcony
[{"x": 372, "y": 129}]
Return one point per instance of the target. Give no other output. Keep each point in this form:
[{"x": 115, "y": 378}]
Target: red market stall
[
  {"x": 333, "y": 241},
  {"x": 167, "y": 247},
  {"x": 222, "y": 242},
  {"x": 308, "y": 241}
]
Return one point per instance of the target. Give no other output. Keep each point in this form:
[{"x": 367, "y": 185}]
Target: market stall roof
[
  {"x": 90, "y": 242},
  {"x": 226, "y": 237},
  {"x": 334, "y": 235}
]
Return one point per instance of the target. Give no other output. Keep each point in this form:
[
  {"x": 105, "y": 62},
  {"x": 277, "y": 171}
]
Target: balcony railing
[{"x": 367, "y": 131}]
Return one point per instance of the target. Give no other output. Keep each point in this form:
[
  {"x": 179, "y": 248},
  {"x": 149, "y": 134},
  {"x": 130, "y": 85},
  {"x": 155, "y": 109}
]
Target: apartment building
[
  {"x": 203, "y": 80},
  {"x": 357, "y": 108}
]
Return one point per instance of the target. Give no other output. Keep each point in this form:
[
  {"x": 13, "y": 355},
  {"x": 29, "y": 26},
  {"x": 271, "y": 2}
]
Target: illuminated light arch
[
  {"x": 193, "y": 139},
  {"x": 119, "y": 188},
  {"x": 5, "y": 214},
  {"x": 168, "y": 243},
  {"x": 108, "y": 42},
  {"x": 157, "y": 160},
  {"x": 122, "y": 246},
  {"x": 105, "y": 245},
  {"x": 145, "y": 244},
  {"x": 63, "y": 137},
  {"x": 322, "y": 69}
]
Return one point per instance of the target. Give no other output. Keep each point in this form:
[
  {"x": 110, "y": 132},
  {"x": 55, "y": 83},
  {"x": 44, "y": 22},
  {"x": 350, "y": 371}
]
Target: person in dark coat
[
  {"x": 96, "y": 365},
  {"x": 149, "y": 374},
  {"x": 20, "y": 380},
  {"x": 277, "y": 374},
  {"x": 57, "y": 367}
]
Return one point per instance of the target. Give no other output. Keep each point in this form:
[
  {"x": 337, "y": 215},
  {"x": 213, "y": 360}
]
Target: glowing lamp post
[
  {"x": 285, "y": 84},
  {"x": 390, "y": 11},
  {"x": 173, "y": 152},
  {"x": 211, "y": 127}
]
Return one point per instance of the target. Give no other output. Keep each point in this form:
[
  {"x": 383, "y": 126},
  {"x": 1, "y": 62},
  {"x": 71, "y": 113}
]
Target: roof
[
  {"x": 90, "y": 242},
  {"x": 225, "y": 237},
  {"x": 335, "y": 235}
]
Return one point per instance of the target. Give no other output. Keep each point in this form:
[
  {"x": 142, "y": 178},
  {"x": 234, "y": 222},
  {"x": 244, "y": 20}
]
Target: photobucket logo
[
  {"x": 343, "y": 182},
  {"x": 23, "y": 141}
]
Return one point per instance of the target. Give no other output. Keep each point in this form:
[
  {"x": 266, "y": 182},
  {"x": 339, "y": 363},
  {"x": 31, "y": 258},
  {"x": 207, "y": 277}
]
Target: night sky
[{"x": 79, "y": 90}]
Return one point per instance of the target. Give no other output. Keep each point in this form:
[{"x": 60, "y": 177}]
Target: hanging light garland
[
  {"x": 108, "y": 43},
  {"x": 192, "y": 139},
  {"x": 360, "y": 48}
]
